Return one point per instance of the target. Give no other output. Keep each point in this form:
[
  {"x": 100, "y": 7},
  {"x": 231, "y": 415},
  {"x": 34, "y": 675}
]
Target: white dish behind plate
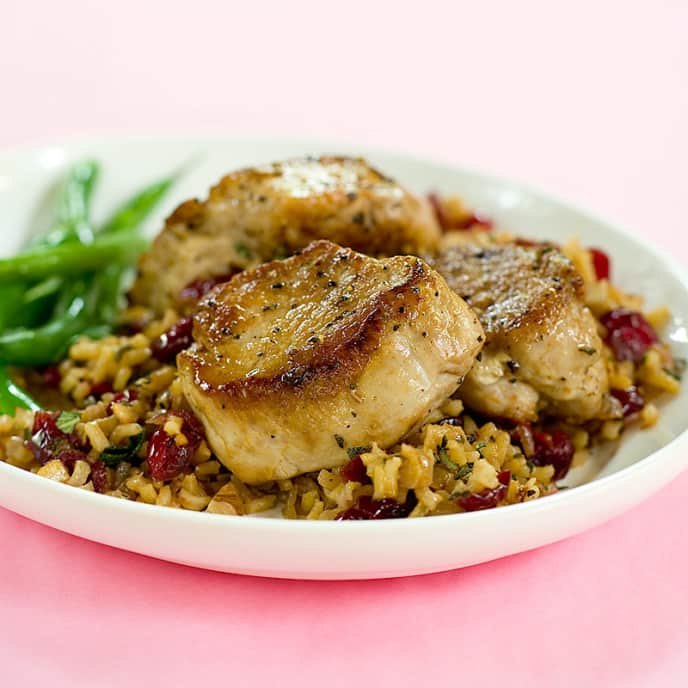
[{"x": 645, "y": 461}]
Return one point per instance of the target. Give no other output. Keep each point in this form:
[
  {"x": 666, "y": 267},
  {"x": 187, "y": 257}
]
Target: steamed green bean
[
  {"x": 134, "y": 211},
  {"x": 12, "y": 396},
  {"x": 69, "y": 259}
]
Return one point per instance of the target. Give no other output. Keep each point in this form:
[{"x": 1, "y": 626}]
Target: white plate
[{"x": 330, "y": 550}]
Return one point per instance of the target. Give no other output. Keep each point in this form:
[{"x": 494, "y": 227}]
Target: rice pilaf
[{"x": 121, "y": 405}]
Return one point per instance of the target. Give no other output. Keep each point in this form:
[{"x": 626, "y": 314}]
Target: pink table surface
[{"x": 589, "y": 99}]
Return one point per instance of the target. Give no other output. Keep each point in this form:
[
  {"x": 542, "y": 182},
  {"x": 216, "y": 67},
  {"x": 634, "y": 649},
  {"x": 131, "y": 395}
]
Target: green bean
[
  {"x": 88, "y": 305},
  {"x": 47, "y": 287},
  {"x": 128, "y": 216},
  {"x": 24, "y": 305},
  {"x": 89, "y": 308},
  {"x": 11, "y": 304},
  {"x": 109, "y": 287},
  {"x": 134, "y": 211},
  {"x": 69, "y": 259},
  {"x": 13, "y": 397},
  {"x": 72, "y": 221},
  {"x": 39, "y": 346}
]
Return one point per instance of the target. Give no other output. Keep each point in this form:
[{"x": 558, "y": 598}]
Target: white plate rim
[{"x": 567, "y": 499}]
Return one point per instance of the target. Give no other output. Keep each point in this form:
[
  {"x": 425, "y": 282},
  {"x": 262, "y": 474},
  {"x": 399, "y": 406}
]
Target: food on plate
[
  {"x": 261, "y": 213},
  {"x": 297, "y": 360},
  {"x": 317, "y": 339},
  {"x": 542, "y": 351}
]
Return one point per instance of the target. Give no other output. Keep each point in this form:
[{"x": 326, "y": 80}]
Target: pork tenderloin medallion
[
  {"x": 260, "y": 213},
  {"x": 542, "y": 351},
  {"x": 296, "y": 361}
]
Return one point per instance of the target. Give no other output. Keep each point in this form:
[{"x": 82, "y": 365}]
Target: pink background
[{"x": 589, "y": 99}]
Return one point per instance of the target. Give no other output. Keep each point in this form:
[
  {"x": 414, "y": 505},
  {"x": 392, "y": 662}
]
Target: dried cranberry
[
  {"x": 600, "y": 261},
  {"x": 126, "y": 396},
  {"x": 197, "y": 289},
  {"x": 100, "y": 388},
  {"x": 47, "y": 440},
  {"x": 70, "y": 456},
  {"x": 355, "y": 470},
  {"x": 522, "y": 435},
  {"x": 166, "y": 347},
  {"x": 553, "y": 449},
  {"x": 99, "y": 476},
  {"x": 448, "y": 223},
  {"x": 368, "y": 509},
  {"x": 475, "y": 220},
  {"x": 631, "y": 400},
  {"x": 167, "y": 459},
  {"x": 488, "y": 498},
  {"x": 629, "y": 335},
  {"x": 52, "y": 377}
]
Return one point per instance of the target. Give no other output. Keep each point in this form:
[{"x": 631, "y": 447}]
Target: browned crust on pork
[
  {"x": 188, "y": 213},
  {"x": 257, "y": 214},
  {"x": 321, "y": 369},
  {"x": 510, "y": 287}
]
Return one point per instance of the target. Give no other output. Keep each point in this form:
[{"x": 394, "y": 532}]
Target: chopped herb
[
  {"x": 67, "y": 421},
  {"x": 339, "y": 440},
  {"x": 121, "y": 472},
  {"x": 584, "y": 348},
  {"x": 672, "y": 373},
  {"x": 563, "y": 487},
  {"x": 480, "y": 446},
  {"x": 114, "y": 455},
  {"x": 357, "y": 451},
  {"x": 464, "y": 471},
  {"x": 444, "y": 459},
  {"x": 677, "y": 370},
  {"x": 530, "y": 465},
  {"x": 243, "y": 250}
]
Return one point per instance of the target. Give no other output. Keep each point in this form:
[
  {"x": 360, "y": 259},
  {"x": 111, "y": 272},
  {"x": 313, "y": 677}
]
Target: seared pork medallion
[
  {"x": 262, "y": 213},
  {"x": 542, "y": 352},
  {"x": 298, "y": 362}
]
